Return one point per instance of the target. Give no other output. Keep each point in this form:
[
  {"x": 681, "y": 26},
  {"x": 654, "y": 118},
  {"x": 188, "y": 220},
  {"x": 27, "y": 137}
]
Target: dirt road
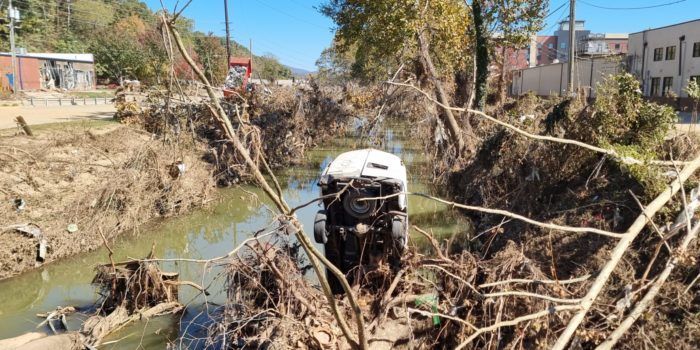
[{"x": 44, "y": 115}]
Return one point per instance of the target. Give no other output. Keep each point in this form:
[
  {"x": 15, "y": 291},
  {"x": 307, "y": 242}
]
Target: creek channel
[{"x": 204, "y": 234}]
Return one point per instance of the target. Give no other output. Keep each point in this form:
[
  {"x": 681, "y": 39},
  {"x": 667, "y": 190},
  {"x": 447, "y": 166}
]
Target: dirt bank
[{"x": 77, "y": 180}]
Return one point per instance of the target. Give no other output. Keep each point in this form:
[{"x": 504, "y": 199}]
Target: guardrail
[{"x": 73, "y": 101}]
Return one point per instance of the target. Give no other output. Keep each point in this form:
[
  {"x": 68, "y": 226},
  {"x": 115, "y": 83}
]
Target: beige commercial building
[{"x": 665, "y": 59}]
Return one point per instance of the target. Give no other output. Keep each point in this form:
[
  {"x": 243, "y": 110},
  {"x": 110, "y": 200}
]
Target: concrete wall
[
  {"x": 641, "y": 62},
  {"x": 552, "y": 79}
]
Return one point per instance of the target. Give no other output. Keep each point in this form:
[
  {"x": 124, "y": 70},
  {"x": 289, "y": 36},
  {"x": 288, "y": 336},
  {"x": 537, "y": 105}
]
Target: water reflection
[{"x": 202, "y": 235}]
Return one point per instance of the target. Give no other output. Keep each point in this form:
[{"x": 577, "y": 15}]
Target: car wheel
[
  {"x": 399, "y": 232},
  {"x": 333, "y": 254},
  {"x": 359, "y": 209},
  {"x": 320, "y": 231}
]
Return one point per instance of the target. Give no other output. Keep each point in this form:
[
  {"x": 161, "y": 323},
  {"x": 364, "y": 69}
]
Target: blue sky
[
  {"x": 624, "y": 21},
  {"x": 296, "y": 33},
  {"x": 292, "y": 30}
]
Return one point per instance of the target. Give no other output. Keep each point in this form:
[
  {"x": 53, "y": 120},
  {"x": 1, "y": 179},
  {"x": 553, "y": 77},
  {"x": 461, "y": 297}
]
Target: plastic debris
[
  {"x": 431, "y": 300},
  {"x": 20, "y": 204},
  {"x": 72, "y": 228},
  {"x": 29, "y": 230}
]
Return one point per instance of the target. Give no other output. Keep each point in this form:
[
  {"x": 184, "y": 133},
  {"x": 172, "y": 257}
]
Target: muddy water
[{"x": 202, "y": 235}]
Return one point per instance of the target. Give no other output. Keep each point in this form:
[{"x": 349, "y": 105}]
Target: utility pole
[
  {"x": 572, "y": 45},
  {"x": 14, "y": 14},
  {"x": 68, "y": 3},
  {"x": 250, "y": 49},
  {"x": 228, "y": 36}
]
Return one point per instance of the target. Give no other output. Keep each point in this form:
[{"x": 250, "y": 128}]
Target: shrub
[{"x": 624, "y": 121}]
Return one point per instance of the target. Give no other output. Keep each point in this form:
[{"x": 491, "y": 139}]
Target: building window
[
  {"x": 563, "y": 45},
  {"x": 670, "y": 53},
  {"x": 696, "y": 50},
  {"x": 655, "y": 85},
  {"x": 617, "y": 46},
  {"x": 659, "y": 54},
  {"x": 668, "y": 84},
  {"x": 551, "y": 46}
]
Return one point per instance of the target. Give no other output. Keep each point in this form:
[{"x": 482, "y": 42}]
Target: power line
[
  {"x": 633, "y": 8},
  {"x": 555, "y": 10},
  {"x": 559, "y": 19},
  {"x": 290, "y": 16}
]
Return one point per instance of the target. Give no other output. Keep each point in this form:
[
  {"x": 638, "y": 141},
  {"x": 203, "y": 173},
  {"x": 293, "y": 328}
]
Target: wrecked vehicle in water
[{"x": 365, "y": 217}]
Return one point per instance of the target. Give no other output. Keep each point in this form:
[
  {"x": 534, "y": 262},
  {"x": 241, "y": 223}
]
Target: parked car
[{"x": 365, "y": 217}]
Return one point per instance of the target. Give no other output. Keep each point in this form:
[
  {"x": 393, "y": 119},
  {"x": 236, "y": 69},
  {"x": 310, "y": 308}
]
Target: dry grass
[{"x": 112, "y": 181}]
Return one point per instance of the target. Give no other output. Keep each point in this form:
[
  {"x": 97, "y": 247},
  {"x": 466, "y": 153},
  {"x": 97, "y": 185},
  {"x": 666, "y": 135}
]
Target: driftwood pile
[{"x": 131, "y": 291}]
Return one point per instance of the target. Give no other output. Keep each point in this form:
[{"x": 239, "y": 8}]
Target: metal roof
[{"x": 76, "y": 57}]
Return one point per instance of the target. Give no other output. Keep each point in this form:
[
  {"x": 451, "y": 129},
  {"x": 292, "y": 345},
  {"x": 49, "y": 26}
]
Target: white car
[{"x": 368, "y": 221}]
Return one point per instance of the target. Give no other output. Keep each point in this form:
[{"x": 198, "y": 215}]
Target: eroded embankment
[{"x": 68, "y": 185}]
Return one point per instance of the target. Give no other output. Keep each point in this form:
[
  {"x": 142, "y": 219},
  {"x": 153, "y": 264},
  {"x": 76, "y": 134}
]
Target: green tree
[
  {"x": 384, "y": 33},
  {"x": 335, "y": 66},
  {"x": 513, "y": 22},
  {"x": 271, "y": 69},
  {"x": 428, "y": 36},
  {"x": 121, "y": 56},
  {"x": 88, "y": 15},
  {"x": 212, "y": 57}
]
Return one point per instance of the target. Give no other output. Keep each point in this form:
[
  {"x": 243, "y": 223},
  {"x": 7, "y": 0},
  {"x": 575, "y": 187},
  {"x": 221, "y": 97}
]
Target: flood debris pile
[
  {"x": 570, "y": 185},
  {"x": 281, "y": 125},
  {"x": 73, "y": 183},
  {"x": 131, "y": 291},
  {"x": 439, "y": 299},
  {"x": 271, "y": 303}
]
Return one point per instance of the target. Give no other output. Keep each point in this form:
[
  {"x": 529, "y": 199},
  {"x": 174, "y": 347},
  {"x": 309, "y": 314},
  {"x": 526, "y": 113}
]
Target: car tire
[
  {"x": 359, "y": 210},
  {"x": 320, "y": 230},
  {"x": 332, "y": 251},
  {"x": 399, "y": 232}
]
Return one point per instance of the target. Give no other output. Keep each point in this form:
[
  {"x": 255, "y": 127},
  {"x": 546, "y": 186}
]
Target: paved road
[{"x": 44, "y": 115}]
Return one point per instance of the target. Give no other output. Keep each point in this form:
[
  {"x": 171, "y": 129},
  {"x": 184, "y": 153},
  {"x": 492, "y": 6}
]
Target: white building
[{"x": 665, "y": 59}]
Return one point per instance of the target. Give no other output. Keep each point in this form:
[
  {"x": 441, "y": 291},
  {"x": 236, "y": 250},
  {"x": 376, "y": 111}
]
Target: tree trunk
[
  {"x": 502, "y": 76},
  {"x": 482, "y": 55},
  {"x": 448, "y": 117}
]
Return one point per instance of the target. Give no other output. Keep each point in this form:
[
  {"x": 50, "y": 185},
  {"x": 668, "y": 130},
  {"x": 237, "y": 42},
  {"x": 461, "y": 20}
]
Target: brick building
[{"x": 37, "y": 71}]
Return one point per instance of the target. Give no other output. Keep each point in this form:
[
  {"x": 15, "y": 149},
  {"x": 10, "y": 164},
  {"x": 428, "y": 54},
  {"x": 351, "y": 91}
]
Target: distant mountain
[{"x": 299, "y": 73}]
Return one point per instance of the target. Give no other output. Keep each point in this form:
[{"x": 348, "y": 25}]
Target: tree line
[{"x": 126, "y": 39}]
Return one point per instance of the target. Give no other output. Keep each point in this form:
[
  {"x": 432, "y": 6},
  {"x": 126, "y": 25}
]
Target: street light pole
[
  {"x": 13, "y": 13},
  {"x": 228, "y": 36},
  {"x": 572, "y": 45}
]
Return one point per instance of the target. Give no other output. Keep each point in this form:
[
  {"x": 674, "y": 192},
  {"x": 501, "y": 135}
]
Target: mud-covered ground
[{"x": 75, "y": 180}]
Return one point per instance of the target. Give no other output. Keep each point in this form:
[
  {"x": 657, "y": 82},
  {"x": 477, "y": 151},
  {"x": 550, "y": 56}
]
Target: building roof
[
  {"x": 76, "y": 57},
  {"x": 616, "y": 36},
  {"x": 668, "y": 26}
]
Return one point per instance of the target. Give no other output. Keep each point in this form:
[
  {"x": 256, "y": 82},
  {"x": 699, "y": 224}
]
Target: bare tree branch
[
  {"x": 504, "y": 213},
  {"x": 639, "y": 308},
  {"x": 620, "y": 250}
]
